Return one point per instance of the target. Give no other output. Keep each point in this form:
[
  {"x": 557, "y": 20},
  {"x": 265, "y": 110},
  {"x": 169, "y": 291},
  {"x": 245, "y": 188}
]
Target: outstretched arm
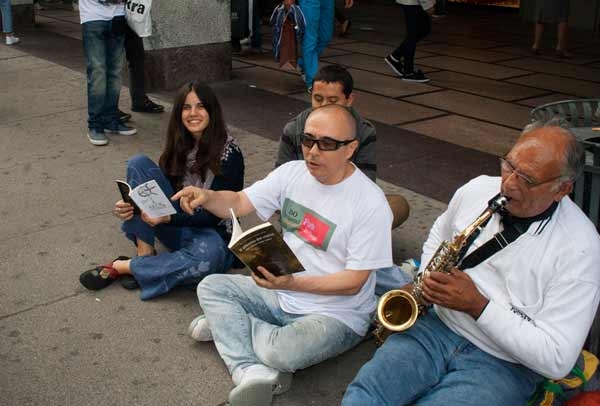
[{"x": 216, "y": 202}]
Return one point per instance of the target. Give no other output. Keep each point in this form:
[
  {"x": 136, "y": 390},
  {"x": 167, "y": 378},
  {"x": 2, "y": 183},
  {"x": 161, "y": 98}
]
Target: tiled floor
[
  {"x": 478, "y": 60},
  {"x": 484, "y": 82}
]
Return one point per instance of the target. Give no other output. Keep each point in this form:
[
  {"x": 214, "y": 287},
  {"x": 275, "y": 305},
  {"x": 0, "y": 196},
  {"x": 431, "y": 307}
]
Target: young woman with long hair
[{"x": 198, "y": 152}]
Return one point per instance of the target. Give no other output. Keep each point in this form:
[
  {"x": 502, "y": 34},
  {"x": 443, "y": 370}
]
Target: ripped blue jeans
[{"x": 193, "y": 252}]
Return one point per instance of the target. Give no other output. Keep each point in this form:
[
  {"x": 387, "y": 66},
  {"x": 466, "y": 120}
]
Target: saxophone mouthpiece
[{"x": 497, "y": 202}]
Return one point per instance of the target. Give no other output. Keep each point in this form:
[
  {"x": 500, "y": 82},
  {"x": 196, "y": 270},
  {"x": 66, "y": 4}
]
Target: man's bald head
[{"x": 338, "y": 118}]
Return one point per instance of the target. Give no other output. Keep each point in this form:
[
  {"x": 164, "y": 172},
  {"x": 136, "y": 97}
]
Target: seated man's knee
[
  {"x": 209, "y": 286},
  {"x": 275, "y": 357},
  {"x": 400, "y": 209}
]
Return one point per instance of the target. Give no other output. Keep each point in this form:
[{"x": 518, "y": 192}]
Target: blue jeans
[
  {"x": 428, "y": 364},
  {"x": 319, "y": 29},
  {"x": 103, "y": 48},
  {"x": 249, "y": 327},
  {"x": 195, "y": 252},
  {"x": 6, "y": 11},
  {"x": 390, "y": 278}
]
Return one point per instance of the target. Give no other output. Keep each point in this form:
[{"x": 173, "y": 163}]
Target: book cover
[
  {"x": 125, "y": 189},
  {"x": 147, "y": 197},
  {"x": 263, "y": 246}
]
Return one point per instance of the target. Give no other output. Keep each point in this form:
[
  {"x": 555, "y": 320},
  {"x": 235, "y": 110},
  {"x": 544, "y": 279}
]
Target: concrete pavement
[{"x": 63, "y": 345}]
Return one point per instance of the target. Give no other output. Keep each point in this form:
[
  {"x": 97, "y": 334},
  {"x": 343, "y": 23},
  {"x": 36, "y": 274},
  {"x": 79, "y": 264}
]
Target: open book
[
  {"x": 263, "y": 246},
  {"x": 147, "y": 197}
]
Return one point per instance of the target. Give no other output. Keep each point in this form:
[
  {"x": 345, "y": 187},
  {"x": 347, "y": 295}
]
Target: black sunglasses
[{"x": 325, "y": 143}]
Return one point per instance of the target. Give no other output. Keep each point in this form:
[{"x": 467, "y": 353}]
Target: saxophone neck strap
[{"x": 513, "y": 228}]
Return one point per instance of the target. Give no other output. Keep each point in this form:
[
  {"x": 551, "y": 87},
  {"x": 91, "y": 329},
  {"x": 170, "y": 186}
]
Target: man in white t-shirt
[
  {"x": 338, "y": 223},
  {"x": 103, "y": 33},
  {"x": 521, "y": 310}
]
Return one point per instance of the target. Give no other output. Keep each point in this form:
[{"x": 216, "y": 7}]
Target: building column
[{"x": 190, "y": 40}]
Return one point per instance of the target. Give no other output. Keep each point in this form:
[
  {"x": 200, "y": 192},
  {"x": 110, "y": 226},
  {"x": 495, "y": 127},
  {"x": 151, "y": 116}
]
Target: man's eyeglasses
[
  {"x": 324, "y": 143},
  {"x": 527, "y": 181}
]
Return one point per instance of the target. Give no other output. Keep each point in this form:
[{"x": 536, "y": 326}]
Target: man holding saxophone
[{"x": 516, "y": 313}]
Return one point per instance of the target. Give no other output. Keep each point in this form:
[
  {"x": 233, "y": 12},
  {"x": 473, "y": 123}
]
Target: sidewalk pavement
[{"x": 63, "y": 345}]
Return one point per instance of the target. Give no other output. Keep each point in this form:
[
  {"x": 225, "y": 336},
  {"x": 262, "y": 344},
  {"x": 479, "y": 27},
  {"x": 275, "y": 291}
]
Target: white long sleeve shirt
[{"x": 543, "y": 288}]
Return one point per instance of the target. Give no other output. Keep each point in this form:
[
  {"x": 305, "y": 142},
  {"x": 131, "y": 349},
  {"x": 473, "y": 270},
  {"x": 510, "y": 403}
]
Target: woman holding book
[{"x": 198, "y": 152}]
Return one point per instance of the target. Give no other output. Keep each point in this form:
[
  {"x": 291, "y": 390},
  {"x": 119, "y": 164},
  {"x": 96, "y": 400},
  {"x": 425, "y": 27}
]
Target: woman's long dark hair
[{"x": 180, "y": 141}]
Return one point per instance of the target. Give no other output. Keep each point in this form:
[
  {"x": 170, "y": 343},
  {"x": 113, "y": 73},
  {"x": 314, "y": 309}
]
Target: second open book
[{"x": 263, "y": 246}]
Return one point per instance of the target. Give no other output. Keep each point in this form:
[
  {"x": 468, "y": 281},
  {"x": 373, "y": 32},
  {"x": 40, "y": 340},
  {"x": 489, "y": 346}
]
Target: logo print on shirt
[
  {"x": 313, "y": 230},
  {"x": 306, "y": 224}
]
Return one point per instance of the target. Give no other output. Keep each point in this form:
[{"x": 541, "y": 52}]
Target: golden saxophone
[{"x": 398, "y": 309}]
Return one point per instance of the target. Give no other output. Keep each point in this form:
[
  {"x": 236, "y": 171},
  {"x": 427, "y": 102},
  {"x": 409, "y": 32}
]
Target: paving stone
[
  {"x": 464, "y": 52},
  {"x": 273, "y": 80},
  {"x": 487, "y": 70},
  {"x": 477, "y": 107},
  {"x": 557, "y": 68},
  {"x": 391, "y": 111},
  {"x": 559, "y": 84},
  {"x": 538, "y": 101},
  {"x": 548, "y": 54},
  {"x": 20, "y": 62},
  {"x": 11, "y": 52},
  {"x": 368, "y": 63},
  {"x": 236, "y": 64},
  {"x": 375, "y": 49},
  {"x": 463, "y": 40},
  {"x": 386, "y": 85},
  {"x": 482, "y": 86},
  {"x": 467, "y": 132}
]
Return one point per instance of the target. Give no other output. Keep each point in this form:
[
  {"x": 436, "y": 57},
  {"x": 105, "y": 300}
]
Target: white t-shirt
[
  {"x": 94, "y": 10},
  {"x": 543, "y": 288},
  {"x": 330, "y": 228}
]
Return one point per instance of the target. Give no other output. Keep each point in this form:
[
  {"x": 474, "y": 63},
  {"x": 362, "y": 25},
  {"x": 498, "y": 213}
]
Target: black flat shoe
[
  {"x": 128, "y": 282},
  {"x": 124, "y": 117},
  {"x": 148, "y": 107},
  {"x": 101, "y": 276}
]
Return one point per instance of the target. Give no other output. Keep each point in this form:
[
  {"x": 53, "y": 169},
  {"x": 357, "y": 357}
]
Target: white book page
[
  {"x": 236, "y": 229},
  {"x": 152, "y": 200}
]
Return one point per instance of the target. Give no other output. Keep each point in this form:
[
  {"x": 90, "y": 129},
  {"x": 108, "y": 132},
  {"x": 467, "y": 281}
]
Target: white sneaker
[
  {"x": 38, "y": 7},
  {"x": 257, "y": 384},
  {"x": 199, "y": 329},
  {"x": 12, "y": 40}
]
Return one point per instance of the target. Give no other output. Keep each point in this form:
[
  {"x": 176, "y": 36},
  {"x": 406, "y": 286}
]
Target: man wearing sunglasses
[
  {"x": 517, "y": 311},
  {"x": 333, "y": 84},
  {"x": 337, "y": 222}
]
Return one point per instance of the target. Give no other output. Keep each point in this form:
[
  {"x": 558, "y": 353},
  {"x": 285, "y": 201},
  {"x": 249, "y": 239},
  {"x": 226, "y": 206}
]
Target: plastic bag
[{"x": 137, "y": 13}]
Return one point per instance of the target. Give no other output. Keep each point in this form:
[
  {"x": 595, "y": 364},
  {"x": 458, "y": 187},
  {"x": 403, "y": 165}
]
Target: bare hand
[
  {"x": 455, "y": 291},
  {"x": 154, "y": 221},
  {"x": 430, "y": 11},
  {"x": 123, "y": 210},
  {"x": 190, "y": 197},
  {"x": 270, "y": 281},
  {"x": 348, "y": 3}
]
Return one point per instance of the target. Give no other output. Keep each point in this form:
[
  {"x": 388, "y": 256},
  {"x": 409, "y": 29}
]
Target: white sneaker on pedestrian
[
  {"x": 257, "y": 384},
  {"x": 12, "y": 40},
  {"x": 38, "y": 7},
  {"x": 199, "y": 329}
]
